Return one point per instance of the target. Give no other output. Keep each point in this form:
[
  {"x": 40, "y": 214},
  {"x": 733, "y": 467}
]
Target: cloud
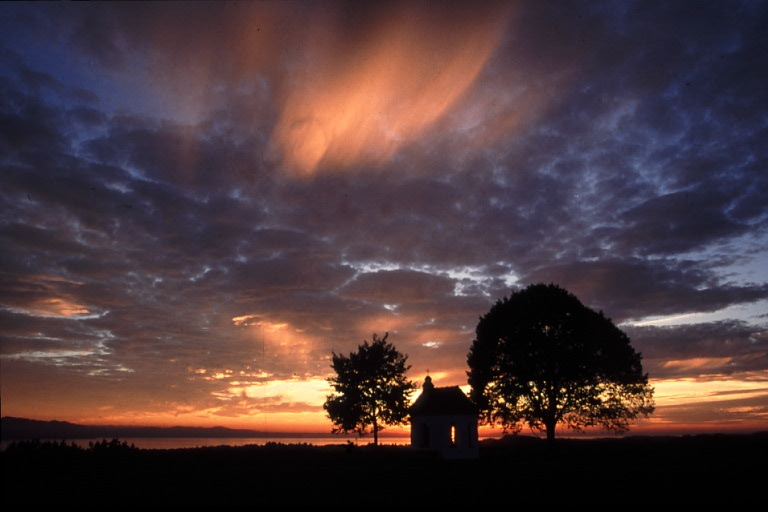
[
  {"x": 635, "y": 288},
  {"x": 381, "y": 80},
  {"x": 153, "y": 188},
  {"x": 717, "y": 405},
  {"x": 679, "y": 222},
  {"x": 397, "y": 286},
  {"x": 699, "y": 350},
  {"x": 363, "y": 79}
]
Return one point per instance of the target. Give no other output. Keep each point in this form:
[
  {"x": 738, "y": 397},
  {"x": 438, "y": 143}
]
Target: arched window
[{"x": 453, "y": 435}]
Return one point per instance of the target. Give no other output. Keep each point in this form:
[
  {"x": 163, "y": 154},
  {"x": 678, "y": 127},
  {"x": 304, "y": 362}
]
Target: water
[{"x": 165, "y": 443}]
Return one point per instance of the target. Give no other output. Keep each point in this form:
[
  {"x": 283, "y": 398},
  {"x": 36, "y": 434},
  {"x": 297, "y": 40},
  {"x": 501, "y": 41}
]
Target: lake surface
[{"x": 166, "y": 443}]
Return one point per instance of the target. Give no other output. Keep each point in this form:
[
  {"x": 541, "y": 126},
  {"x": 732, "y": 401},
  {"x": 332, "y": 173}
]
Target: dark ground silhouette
[{"x": 627, "y": 472}]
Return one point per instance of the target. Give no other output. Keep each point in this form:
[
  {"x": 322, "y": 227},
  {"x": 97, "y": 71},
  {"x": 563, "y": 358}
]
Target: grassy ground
[{"x": 629, "y": 472}]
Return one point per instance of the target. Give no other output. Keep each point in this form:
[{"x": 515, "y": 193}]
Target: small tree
[
  {"x": 371, "y": 389},
  {"x": 543, "y": 358}
]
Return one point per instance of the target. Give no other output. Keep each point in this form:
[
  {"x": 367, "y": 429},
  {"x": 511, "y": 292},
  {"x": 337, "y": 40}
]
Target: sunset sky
[{"x": 202, "y": 201}]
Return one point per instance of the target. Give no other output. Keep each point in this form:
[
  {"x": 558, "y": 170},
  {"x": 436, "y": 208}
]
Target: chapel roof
[{"x": 442, "y": 401}]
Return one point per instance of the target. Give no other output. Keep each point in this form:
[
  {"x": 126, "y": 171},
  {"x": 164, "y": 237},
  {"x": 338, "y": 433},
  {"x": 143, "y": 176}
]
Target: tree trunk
[
  {"x": 550, "y": 417},
  {"x": 375, "y": 432},
  {"x": 549, "y": 425}
]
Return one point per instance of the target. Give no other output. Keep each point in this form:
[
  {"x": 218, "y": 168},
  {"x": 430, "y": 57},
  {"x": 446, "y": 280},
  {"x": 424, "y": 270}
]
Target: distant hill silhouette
[{"x": 12, "y": 428}]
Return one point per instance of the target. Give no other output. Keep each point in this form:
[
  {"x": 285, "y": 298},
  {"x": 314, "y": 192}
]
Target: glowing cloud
[
  {"x": 352, "y": 82},
  {"x": 312, "y": 391},
  {"x": 282, "y": 341},
  {"x": 48, "y": 296},
  {"x": 672, "y": 392},
  {"x": 57, "y": 306},
  {"x": 359, "y": 97},
  {"x": 698, "y": 363}
]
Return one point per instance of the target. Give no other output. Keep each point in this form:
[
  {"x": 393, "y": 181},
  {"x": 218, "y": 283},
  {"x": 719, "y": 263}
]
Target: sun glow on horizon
[{"x": 295, "y": 405}]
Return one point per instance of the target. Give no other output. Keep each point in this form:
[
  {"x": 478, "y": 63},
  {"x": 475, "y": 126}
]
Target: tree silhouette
[
  {"x": 371, "y": 389},
  {"x": 543, "y": 358}
]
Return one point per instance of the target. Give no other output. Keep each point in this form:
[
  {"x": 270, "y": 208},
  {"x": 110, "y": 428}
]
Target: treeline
[
  {"x": 36, "y": 447},
  {"x": 21, "y": 428}
]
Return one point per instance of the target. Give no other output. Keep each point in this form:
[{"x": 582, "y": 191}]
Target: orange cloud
[
  {"x": 698, "y": 363},
  {"x": 352, "y": 82},
  {"x": 56, "y": 306},
  {"x": 48, "y": 295},
  {"x": 695, "y": 391},
  {"x": 281, "y": 341},
  {"x": 358, "y": 100}
]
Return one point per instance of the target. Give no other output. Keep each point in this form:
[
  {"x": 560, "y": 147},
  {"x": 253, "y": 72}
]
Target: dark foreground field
[{"x": 634, "y": 472}]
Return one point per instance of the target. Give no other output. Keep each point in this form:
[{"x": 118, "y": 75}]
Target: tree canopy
[
  {"x": 371, "y": 389},
  {"x": 542, "y": 358}
]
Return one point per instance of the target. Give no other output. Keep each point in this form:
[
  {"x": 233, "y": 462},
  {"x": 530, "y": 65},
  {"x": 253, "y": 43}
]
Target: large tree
[
  {"x": 371, "y": 389},
  {"x": 542, "y": 358}
]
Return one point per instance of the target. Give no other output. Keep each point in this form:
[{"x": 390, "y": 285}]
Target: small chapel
[{"x": 444, "y": 420}]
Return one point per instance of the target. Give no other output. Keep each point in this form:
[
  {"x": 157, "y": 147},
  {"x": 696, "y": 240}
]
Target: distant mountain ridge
[{"x": 12, "y": 428}]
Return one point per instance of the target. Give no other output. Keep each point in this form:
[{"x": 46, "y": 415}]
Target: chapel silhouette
[{"x": 444, "y": 420}]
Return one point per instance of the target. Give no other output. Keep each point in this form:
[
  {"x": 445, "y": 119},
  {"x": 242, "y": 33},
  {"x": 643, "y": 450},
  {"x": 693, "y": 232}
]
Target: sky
[{"x": 202, "y": 202}]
